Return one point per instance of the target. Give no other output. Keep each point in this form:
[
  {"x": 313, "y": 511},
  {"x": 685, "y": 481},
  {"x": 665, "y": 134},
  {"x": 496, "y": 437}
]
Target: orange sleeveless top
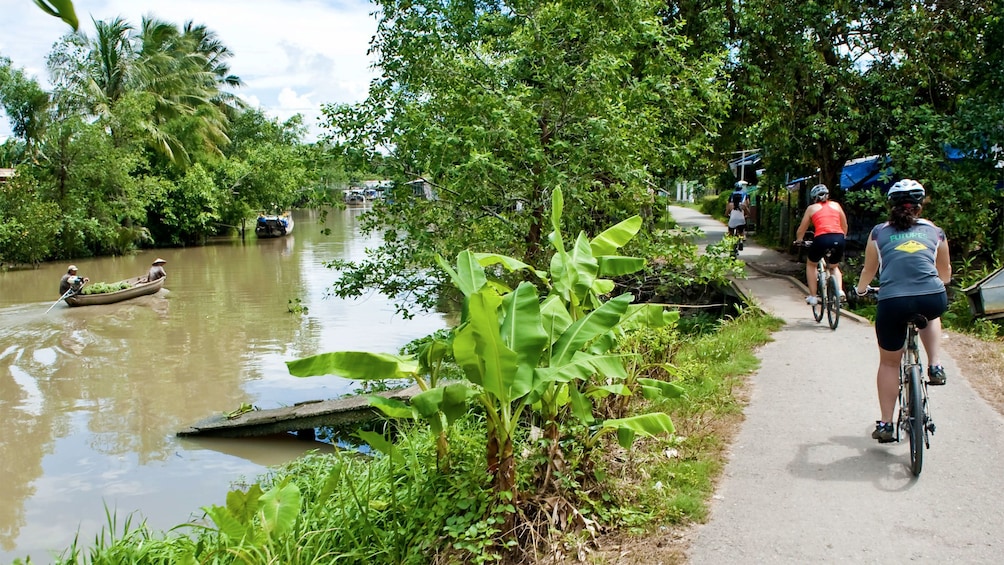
[{"x": 827, "y": 219}]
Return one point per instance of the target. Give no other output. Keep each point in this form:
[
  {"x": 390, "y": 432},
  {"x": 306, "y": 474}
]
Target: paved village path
[{"x": 805, "y": 483}]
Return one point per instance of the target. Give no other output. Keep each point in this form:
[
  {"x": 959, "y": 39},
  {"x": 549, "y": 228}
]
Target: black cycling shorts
[
  {"x": 893, "y": 314},
  {"x": 821, "y": 243}
]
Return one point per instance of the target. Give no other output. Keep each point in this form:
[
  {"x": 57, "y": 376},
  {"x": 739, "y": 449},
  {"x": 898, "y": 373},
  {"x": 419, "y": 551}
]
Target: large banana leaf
[
  {"x": 451, "y": 400},
  {"x": 649, "y": 425},
  {"x": 563, "y": 276},
  {"x": 392, "y": 407},
  {"x": 615, "y": 265},
  {"x": 648, "y": 315},
  {"x": 599, "y": 288},
  {"x": 485, "y": 358},
  {"x": 582, "y": 266},
  {"x": 62, "y": 9},
  {"x": 593, "y": 324},
  {"x": 610, "y": 366},
  {"x": 582, "y": 407},
  {"x": 555, "y": 317},
  {"x": 469, "y": 276},
  {"x": 356, "y": 365},
  {"x": 557, "y": 208},
  {"x": 522, "y": 329},
  {"x": 603, "y": 391},
  {"x": 616, "y": 236},
  {"x": 509, "y": 263},
  {"x": 653, "y": 389}
]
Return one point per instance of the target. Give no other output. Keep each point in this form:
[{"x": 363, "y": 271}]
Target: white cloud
[{"x": 293, "y": 55}]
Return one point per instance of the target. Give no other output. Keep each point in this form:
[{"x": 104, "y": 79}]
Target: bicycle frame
[
  {"x": 827, "y": 292},
  {"x": 914, "y": 410}
]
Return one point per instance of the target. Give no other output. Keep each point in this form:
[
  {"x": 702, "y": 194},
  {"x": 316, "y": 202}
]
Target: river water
[{"x": 91, "y": 397}]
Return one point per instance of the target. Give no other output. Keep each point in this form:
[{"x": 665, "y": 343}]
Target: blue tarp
[
  {"x": 793, "y": 184},
  {"x": 864, "y": 173}
]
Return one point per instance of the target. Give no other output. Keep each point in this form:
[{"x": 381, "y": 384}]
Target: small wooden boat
[
  {"x": 137, "y": 287},
  {"x": 274, "y": 225}
]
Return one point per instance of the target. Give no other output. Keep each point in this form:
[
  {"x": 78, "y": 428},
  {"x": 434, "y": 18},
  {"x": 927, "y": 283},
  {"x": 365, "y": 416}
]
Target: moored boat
[
  {"x": 354, "y": 197},
  {"x": 138, "y": 286},
  {"x": 273, "y": 225}
]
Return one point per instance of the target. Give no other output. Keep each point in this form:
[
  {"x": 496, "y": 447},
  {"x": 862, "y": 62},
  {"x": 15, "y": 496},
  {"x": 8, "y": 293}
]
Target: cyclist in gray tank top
[
  {"x": 911, "y": 257},
  {"x": 907, "y": 259}
]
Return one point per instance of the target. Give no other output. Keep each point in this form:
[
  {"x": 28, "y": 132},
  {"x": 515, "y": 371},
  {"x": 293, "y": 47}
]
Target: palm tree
[{"x": 182, "y": 75}]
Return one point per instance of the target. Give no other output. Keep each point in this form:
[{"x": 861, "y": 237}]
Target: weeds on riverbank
[{"x": 400, "y": 508}]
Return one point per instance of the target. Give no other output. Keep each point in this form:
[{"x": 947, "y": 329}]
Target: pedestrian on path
[{"x": 915, "y": 267}]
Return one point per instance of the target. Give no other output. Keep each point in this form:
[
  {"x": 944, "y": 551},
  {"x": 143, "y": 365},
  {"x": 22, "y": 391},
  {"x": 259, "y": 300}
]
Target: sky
[{"x": 293, "y": 55}]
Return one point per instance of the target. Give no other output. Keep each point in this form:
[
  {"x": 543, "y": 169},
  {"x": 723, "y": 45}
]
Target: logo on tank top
[{"x": 910, "y": 246}]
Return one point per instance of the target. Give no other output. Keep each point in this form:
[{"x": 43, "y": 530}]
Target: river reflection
[{"x": 91, "y": 397}]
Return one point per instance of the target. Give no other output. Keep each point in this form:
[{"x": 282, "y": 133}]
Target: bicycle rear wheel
[
  {"x": 832, "y": 302},
  {"x": 820, "y": 306},
  {"x": 915, "y": 421}
]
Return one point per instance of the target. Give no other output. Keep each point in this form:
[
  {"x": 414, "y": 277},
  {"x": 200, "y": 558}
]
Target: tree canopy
[
  {"x": 497, "y": 104},
  {"x": 141, "y": 141}
]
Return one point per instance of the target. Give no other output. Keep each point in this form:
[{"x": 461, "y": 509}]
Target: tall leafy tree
[
  {"x": 182, "y": 71},
  {"x": 265, "y": 168},
  {"x": 498, "y": 103},
  {"x": 25, "y": 104},
  {"x": 818, "y": 83}
]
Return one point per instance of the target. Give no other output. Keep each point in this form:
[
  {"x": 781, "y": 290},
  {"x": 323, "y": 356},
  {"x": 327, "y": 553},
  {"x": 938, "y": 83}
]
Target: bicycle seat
[{"x": 919, "y": 321}]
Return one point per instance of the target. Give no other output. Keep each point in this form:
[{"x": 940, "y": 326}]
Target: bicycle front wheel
[
  {"x": 915, "y": 420},
  {"x": 832, "y": 302},
  {"x": 820, "y": 306}
]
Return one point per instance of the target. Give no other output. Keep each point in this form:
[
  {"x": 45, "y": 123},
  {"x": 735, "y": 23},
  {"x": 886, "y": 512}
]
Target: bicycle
[
  {"x": 914, "y": 418},
  {"x": 827, "y": 292},
  {"x": 737, "y": 245}
]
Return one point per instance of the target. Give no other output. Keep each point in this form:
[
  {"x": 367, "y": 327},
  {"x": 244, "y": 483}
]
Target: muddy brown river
[{"x": 91, "y": 397}]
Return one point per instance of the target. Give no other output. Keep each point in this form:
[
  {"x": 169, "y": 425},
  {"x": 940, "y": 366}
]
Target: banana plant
[
  {"x": 438, "y": 404},
  {"x": 62, "y": 9},
  {"x": 578, "y": 279},
  {"x": 515, "y": 349}
]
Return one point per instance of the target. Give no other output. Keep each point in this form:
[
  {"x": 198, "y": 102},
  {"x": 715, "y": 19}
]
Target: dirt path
[{"x": 805, "y": 482}]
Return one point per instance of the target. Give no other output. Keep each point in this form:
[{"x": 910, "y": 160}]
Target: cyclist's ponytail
[{"x": 904, "y": 215}]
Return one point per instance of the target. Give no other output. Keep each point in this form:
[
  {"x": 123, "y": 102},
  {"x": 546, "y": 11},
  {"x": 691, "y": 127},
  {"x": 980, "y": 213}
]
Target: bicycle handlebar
[{"x": 869, "y": 291}]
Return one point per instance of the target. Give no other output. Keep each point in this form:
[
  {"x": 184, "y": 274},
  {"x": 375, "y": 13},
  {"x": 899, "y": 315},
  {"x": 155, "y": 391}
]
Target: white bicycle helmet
[
  {"x": 906, "y": 191},
  {"x": 819, "y": 193}
]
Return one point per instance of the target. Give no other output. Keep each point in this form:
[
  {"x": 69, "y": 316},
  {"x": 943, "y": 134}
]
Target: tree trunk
[{"x": 505, "y": 482}]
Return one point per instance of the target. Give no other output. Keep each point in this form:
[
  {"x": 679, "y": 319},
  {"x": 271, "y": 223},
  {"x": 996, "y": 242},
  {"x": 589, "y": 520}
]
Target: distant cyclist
[
  {"x": 915, "y": 267},
  {"x": 830, "y": 228},
  {"x": 736, "y": 211}
]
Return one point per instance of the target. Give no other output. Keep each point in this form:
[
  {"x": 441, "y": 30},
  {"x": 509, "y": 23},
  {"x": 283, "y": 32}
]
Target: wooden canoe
[{"x": 139, "y": 288}]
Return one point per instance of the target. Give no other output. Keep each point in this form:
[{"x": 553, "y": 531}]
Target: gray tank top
[{"x": 906, "y": 259}]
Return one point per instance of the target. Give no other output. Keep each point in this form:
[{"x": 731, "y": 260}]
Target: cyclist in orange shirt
[{"x": 830, "y": 227}]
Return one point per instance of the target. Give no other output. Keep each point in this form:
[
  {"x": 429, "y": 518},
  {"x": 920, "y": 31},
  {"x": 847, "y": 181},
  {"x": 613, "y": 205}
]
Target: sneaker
[
  {"x": 811, "y": 300},
  {"x": 740, "y": 246},
  {"x": 883, "y": 432},
  {"x": 936, "y": 375},
  {"x": 843, "y": 296}
]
